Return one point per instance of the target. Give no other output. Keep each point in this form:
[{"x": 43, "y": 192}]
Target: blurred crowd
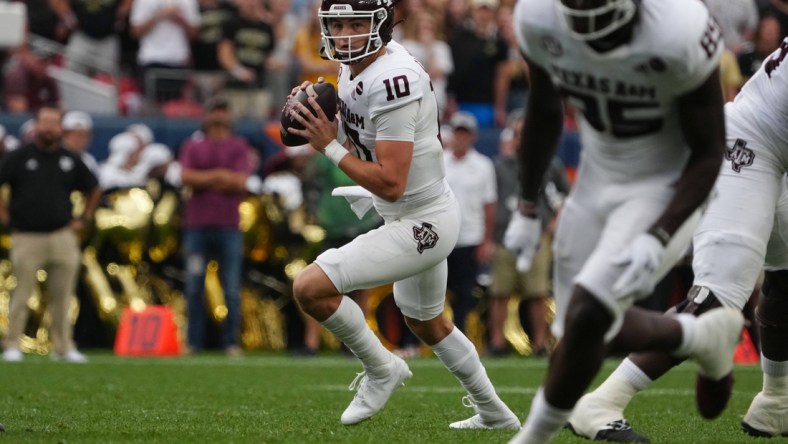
[
  {"x": 220, "y": 60},
  {"x": 170, "y": 56}
]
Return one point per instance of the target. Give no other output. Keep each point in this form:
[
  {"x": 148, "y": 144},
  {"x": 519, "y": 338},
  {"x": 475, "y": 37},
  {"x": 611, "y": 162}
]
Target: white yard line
[{"x": 500, "y": 389}]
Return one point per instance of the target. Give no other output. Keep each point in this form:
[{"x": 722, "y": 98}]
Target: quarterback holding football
[{"x": 387, "y": 140}]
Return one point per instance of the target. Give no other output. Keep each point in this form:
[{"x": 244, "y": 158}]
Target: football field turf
[{"x": 268, "y": 397}]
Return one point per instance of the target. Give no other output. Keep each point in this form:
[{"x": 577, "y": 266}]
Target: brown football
[{"x": 326, "y": 97}]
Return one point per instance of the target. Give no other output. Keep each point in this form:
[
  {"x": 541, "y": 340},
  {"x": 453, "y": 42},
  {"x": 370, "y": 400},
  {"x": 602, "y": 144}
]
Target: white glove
[
  {"x": 639, "y": 262},
  {"x": 522, "y": 238},
  {"x": 254, "y": 184}
]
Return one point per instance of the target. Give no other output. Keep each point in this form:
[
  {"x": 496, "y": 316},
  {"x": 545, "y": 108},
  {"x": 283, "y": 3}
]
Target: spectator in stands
[
  {"x": 737, "y": 20},
  {"x": 94, "y": 42},
  {"x": 77, "y": 136},
  {"x": 247, "y": 42},
  {"x": 213, "y": 15},
  {"x": 26, "y": 83},
  {"x": 164, "y": 29},
  {"x": 8, "y": 142},
  {"x": 471, "y": 176},
  {"x": 312, "y": 66},
  {"x": 518, "y": 76},
  {"x": 779, "y": 9},
  {"x": 216, "y": 167},
  {"x": 42, "y": 175},
  {"x": 480, "y": 81},
  {"x": 533, "y": 286},
  {"x": 767, "y": 39},
  {"x": 433, "y": 52},
  {"x": 27, "y": 131},
  {"x": 42, "y": 21},
  {"x": 456, "y": 13}
]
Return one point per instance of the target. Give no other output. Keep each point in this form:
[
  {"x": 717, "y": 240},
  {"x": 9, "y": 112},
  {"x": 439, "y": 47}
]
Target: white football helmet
[
  {"x": 380, "y": 13},
  {"x": 594, "y": 19}
]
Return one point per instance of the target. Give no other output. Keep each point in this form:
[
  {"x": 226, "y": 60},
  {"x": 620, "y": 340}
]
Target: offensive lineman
[
  {"x": 745, "y": 227},
  {"x": 393, "y": 150},
  {"x": 653, "y": 138}
]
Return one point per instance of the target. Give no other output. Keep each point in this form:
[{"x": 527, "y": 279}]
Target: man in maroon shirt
[
  {"x": 215, "y": 165},
  {"x": 27, "y": 85}
]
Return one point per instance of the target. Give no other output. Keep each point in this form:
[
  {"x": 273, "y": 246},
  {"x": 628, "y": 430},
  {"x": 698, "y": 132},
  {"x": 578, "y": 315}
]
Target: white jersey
[
  {"x": 392, "y": 81},
  {"x": 627, "y": 96},
  {"x": 744, "y": 228},
  {"x": 760, "y": 111}
]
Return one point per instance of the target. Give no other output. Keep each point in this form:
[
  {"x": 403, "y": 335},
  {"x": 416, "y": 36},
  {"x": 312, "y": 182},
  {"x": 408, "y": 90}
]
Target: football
[{"x": 326, "y": 97}]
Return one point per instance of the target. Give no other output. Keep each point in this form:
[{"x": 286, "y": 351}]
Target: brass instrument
[{"x": 278, "y": 245}]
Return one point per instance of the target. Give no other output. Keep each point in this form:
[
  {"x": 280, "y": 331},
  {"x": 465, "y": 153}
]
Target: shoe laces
[
  {"x": 467, "y": 401},
  {"x": 618, "y": 425},
  {"x": 360, "y": 383}
]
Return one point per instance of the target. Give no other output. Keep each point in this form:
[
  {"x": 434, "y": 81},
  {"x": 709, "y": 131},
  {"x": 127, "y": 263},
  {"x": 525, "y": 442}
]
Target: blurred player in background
[
  {"x": 745, "y": 226},
  {"x": 653, "y": 138}
]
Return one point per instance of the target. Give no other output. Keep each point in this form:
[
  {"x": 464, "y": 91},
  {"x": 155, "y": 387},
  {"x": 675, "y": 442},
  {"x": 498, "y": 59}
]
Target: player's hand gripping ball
[{"x": 324, "y": 94}]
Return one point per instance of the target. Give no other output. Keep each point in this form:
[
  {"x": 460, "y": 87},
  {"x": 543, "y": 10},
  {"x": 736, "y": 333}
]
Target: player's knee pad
[
  {"x": 772, "y": 311},
  {"x": 699, "y": 300}
]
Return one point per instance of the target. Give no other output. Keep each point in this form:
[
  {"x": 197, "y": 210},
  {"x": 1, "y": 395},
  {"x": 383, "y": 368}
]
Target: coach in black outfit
[{"x": 42, "y": 175}]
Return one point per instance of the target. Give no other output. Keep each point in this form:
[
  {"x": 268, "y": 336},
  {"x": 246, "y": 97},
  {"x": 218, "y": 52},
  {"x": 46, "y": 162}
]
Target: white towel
[{"x": 359, "y": 198}]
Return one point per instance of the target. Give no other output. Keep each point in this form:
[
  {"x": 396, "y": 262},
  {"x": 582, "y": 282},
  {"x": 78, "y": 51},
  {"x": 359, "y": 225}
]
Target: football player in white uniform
[
  {"x": 744, "y": 229},
  {"x": 392, "y": 149},
  {"x": 644, "y": 77}
]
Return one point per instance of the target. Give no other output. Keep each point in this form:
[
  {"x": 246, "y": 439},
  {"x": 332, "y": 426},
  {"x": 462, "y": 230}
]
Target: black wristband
[
  {"x": 528, "y": 208},
  {"x": 661, "y": 234}
]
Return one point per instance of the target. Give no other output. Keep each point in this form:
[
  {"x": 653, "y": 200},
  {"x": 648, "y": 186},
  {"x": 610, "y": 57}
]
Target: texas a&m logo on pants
[
  {"x": 425, "y": 236},
  {"x": 739, "y": 155}
]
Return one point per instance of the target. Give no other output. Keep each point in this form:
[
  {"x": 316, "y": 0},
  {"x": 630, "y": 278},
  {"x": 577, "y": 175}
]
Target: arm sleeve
[{"x": 397, "y": 124}]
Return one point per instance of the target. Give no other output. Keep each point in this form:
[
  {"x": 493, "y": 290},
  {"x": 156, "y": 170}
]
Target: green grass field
[{"x": 274, "y": 398}]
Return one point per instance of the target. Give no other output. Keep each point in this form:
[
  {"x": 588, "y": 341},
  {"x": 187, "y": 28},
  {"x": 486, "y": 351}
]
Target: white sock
[
  {"x": 775, "y": 377},
  {"x": 636, "y": 377},
  {"x": 617, "y": 390},
  {"x": 688, "y": 323},
  {"x": 459, "y": 356},
  {"x": 543, "y": 421},
  {"x": 350, "y": 327}
]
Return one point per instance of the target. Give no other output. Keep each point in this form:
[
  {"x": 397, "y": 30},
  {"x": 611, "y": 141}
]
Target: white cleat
[
  {"x": 717, "y": 333},
  {"x": 767, "y": 417},
  {"x": 73, "y": 356},
  {"x": 374, "y": 392},
  {"x": 593, "y": 419},
  {"x": 503, "y": 418},
  {"x": 12, "y": 355}
]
